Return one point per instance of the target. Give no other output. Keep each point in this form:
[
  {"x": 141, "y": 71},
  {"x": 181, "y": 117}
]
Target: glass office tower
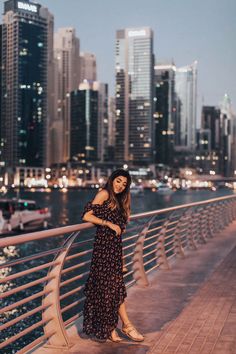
[
  {"x": 67, "y": 79},
  {"x": 164, "y": 112},
  {"x": 186, "y": 89},
  {"x": 134, "y": 92},
  {"x": 24, "y": 83},
  {"x": 84, "y": 124}
]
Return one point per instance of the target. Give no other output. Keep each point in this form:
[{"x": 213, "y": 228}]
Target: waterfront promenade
[{"x": 190, "y": 308}]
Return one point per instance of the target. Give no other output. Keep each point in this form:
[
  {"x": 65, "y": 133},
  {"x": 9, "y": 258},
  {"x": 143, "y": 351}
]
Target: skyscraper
[
  {"x": 25, "y": 41},
  {"x": 112, "y": 119},
  {"x": 84, "y": 123},
  {"x": 102, "y": 137},
  {"x": 67, "y": 79},
  {"x": 88, "y": 67},
  {"x": 134, "y": 139},
  {"x": 186, "y": 89},
  {"x": 233, "y": 146},
  {"x": 211, "y": 121},
  {"x": 226, "y": 127},
  {"x": 164, "y": 112}
]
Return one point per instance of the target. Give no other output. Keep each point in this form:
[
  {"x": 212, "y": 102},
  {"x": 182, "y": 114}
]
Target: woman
[{"x": 105, "y": 289}]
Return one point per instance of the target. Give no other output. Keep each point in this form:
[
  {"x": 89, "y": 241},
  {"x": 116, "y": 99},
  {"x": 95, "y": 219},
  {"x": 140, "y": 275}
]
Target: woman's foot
[
  {"x": 114, "y": 337},
  {"x": 132, "y": 332}
]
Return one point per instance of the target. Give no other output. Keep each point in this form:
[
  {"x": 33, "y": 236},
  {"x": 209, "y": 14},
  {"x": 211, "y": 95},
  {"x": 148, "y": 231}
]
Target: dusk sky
[{"x": 184, "y": 31}]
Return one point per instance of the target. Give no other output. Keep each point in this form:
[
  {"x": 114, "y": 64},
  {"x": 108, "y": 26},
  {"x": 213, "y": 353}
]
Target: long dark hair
[{"x": 120, "y": 200}]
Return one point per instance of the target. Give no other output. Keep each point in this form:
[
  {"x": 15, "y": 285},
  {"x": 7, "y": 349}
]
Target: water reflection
[
  {"x": 67, "y": 207},
  {"x": 63, "y": 217}
]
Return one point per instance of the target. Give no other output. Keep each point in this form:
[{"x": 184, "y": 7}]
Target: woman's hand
[{"x": 114, "y": 227}]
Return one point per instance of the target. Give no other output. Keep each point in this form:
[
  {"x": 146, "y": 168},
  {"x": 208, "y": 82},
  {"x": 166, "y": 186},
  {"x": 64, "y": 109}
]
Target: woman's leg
[
  {"x": 123, "y": 314},
  {"x": 124, "y": 318},
  {"x": 127, "y": 326}
]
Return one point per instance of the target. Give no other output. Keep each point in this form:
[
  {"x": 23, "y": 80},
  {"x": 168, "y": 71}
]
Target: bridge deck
[{"x": 189, "y": 309}]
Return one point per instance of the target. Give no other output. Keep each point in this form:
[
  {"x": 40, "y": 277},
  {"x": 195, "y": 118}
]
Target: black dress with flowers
[{"x": 105, "y": 289}]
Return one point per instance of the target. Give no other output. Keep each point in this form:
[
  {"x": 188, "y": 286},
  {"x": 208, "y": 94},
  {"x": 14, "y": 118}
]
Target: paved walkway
[{"x": 189, "y": 309}]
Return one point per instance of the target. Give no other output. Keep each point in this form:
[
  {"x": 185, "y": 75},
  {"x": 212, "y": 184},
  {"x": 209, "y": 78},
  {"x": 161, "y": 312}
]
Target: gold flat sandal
[{"x": 130, "y": 331}]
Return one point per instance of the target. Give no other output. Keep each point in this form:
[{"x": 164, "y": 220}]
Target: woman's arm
[{"x": 100, "y": 198}]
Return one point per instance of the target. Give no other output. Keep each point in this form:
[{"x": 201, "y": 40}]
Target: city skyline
[
  {"x": 150, "y": 111},
  {"x": 183, "y": 32}
]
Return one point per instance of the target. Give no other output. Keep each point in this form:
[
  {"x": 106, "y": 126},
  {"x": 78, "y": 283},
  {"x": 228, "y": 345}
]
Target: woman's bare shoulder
[{"x": 101, "y": 197}]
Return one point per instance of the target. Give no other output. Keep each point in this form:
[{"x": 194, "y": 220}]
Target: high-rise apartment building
[
  {"x": 84, "y": 124},
  {"x": 209, "y": 147},
  {"x": 102, "y": 137},
  {"x": 226, "y": 128},
  {"x": 215, "y": 150},
  {"x": 89, "y": 113},
  {"x": 134, "y": 139},
  {"x": 26, "y": 32},
  {"x": 211, "y": 120},
  {"x": 112, "y": 121},
  {"x": 67, "y": 79},
  {"x": 233, "y": 146},
  {"x": 186, "y": 89},
  {"x": 164, "y": 112},
  {"x": 88, "y": 67}
]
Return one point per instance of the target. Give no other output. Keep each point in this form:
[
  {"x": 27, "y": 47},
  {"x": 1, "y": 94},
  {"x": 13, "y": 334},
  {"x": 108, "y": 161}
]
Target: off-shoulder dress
[{"x": 105, "y": 289}]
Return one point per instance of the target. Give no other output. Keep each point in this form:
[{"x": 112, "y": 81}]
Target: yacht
[{"x": 21, "y": 214}]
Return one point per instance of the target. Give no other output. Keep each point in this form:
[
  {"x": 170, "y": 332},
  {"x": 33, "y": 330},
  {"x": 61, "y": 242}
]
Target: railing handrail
[
  {"x": 178, "y": 207},
  {"x": 39, "y": 235}
]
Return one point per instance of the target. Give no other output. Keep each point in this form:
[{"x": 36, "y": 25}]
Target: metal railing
[{"x": 42, "y": 274}]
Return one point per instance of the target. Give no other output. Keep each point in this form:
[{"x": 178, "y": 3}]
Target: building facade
[
  {"x": 208, "y": 152},
  {"x": 164, "y": 112},
  {"x": 134, "y": 140},
  {"x": 66, "y": 80},
  {"x": 88, "y": 67},
  {"x": 233, "y": 146},
  {"x": 84, "y": 124},
  {"x": 186, "y": 90},
  {"x": 102, "y": 137},
  {"x": 25, "y": 63},
  {"x": 226, "y": 129}
]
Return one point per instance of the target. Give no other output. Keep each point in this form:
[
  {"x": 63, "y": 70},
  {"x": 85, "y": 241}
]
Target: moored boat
[{"x": 21, "y": 214}]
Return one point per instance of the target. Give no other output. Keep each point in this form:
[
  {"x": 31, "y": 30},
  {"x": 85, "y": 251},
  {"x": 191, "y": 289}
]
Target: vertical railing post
[
  {"x": 202, "y": 226},
  {"x": 209, "y": 210},
  {"x": 139, "y": 274},
  {"x": 220, "y": 217},
  {"x": 225, "y": 215},
  {"x": 161, "y": 252},
  {"x": 191, "y": 229},
  {"x": 214, "y": 218},
  {"x": 179, "y": 251},
  {"x": 231, "y": 211},
  {"x": 228, "y": 212},
  {"x": 234, "y": 209},
  {"x": 59, "y": 339}
]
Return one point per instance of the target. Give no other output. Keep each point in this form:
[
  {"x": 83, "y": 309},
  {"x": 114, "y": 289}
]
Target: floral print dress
[{"x": 105, "y": 289}]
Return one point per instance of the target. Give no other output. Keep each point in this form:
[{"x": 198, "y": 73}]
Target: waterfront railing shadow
[{"x": 42, "y": 274}]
